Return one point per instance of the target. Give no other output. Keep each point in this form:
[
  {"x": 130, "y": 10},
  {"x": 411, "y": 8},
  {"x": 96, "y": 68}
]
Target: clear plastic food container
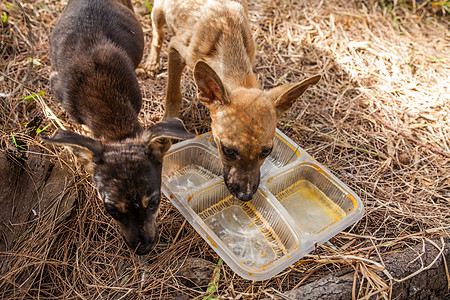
[{"x": 299, "y": 204}]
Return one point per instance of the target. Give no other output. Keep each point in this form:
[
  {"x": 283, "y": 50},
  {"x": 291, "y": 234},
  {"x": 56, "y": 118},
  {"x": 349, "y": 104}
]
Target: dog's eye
[
  {"x": 228, "y": 152},
  {"x": 265, "y": 152},
  {"x": 113, "y": 211},
  {"x": 153, "y": 201}
]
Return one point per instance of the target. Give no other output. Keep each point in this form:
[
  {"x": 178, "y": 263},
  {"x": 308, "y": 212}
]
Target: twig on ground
[{"x": 399, "y": 132}]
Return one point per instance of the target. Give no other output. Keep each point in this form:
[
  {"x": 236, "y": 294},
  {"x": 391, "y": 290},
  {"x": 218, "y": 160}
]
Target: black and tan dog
[
  {"x": 95, "y": 48},
  {"x": 213, "y": 38}
]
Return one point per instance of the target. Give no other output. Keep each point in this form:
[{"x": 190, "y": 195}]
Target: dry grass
[{"x": 379, "y": 119}]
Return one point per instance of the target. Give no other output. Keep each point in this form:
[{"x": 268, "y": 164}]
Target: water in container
[
  {"x": 309, "y": 207},
  {"x": 245, "y": 231}
]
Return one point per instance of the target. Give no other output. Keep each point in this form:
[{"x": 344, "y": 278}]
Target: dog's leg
[
  {"x": 158, "y": 21},
  {"x": 176, "y": 66},
  {"x": 56, "y": 87}
]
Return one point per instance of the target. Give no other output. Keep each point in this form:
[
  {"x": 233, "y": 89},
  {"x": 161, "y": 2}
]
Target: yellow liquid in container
[{"x": 309, "y": 207}]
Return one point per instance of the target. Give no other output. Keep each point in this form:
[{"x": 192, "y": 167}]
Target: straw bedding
[{"x": 379, "y": 119}]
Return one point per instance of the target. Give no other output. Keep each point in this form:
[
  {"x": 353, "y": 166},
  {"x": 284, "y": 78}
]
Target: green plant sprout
[
  {"x": 33, "y": 96},
  {"x": 16, "y": 144},
  {"x": 43, "y": 129},
  {"x": 35, "y": 61},
  {"x": 4, "y": 18},
  {"x": 149, "y": 6},
  {"x": 214, "y": 284}
]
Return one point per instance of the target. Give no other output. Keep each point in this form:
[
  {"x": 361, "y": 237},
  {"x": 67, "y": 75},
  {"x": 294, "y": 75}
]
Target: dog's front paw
[
  {"x": 152, "y": 65},
  {"x": 140, "y": 71}
]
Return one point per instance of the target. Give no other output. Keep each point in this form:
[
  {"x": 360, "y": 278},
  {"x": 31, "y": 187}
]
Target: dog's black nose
[
  {"x": 242, "y": 185},
  {"x": 245, "y": 196},
  {"x": 144, "y": 250},
  {"x": 242, "y": 194},
  {"x": 142, "y": 245}
]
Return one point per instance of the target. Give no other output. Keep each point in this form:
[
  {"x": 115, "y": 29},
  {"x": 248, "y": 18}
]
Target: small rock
[
  {"x": 195, "y": 271},
  {"x": 404, "y": 159}
]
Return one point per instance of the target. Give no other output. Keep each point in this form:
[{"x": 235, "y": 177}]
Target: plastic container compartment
[
  {"x": 251, "y": 233},
  {"x": 190, "y": 168},
  {"x": 299, "y": 203},
  {"x": 311, "y": 197}
]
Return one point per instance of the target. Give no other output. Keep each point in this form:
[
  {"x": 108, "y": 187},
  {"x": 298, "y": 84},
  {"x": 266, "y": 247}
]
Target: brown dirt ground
[{"x": 379, "y": 119}]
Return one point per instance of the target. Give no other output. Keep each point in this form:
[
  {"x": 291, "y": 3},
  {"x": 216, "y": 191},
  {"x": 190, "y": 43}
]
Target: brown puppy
[
  {"x": 213, "y": 38},
  {"x": 95, "y": 48}
]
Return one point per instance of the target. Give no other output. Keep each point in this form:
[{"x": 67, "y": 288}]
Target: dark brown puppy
[{"x": 95, "y": 48}]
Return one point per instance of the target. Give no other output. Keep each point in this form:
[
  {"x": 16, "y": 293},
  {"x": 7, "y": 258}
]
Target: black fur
[{"x": 95, "y": 48}]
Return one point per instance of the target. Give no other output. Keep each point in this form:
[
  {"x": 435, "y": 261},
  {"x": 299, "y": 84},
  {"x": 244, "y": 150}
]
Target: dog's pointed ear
[
  {"x": 87, "y": 151},
  {"x": 285, "y": 95},
  {"x": 158, "y": 136},
  {"x": 211, "y": 91}
]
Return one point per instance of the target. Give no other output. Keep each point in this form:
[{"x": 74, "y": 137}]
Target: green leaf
[
  {"x": 4, "y": 18},
  {"x": 15, "y": 143},
  {"x": 43, "y": 129},
  {"x": 35, "y": 61},
  {"x": 214, "y": 284},
  {"x": 10, "y": 6},
  {"x": 33, "y": 96},
  {"x": 149, "y": 6}
]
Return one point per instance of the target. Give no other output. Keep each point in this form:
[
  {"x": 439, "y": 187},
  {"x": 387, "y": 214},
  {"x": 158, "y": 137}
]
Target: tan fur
[{"x": 213, "y": 38}]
